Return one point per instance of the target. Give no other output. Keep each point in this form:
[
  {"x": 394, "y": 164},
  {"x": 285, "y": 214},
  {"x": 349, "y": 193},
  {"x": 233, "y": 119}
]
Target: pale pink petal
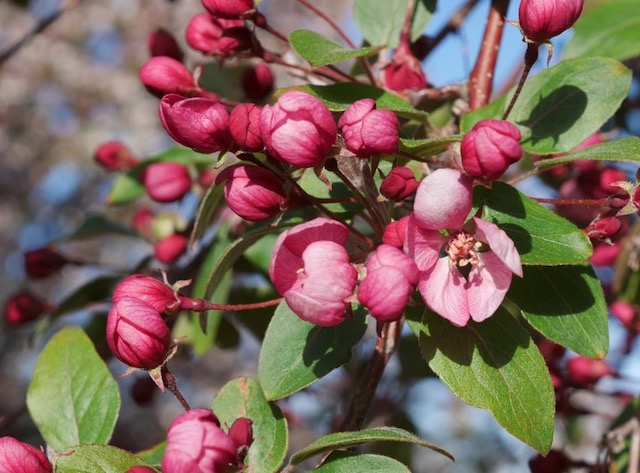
[
  {"x": 356, "y": 112},
  {"x": 423, "y": 246},
  {"x": 443, "y": 200},
  {"x": 500, "y": 243},
  {"x": 444, "y": 290},
  {"x": 488, "y": 283}
]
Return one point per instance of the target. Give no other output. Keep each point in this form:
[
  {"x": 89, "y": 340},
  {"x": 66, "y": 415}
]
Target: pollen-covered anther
[{"x": 463, "y": 250}]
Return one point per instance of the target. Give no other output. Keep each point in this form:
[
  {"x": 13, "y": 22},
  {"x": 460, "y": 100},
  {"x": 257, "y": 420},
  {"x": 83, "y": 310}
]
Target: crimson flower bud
[
  {"x": 555, "y": 460},
  {"x": 163, "y": 43},
  {"x": 166, "y": 181},
  {"x": 43, "y": 262},
  {"x": 229, "y": 8},
  {"x": 164, "y": 75},
  {"x": 140, "y": 469},
  {"x": 143, "y": 222},
  {"x": 170, "y": 248},
  {"x": 489, "y": 148},
  {"x": 244, "y": 125},
  {"x": 368, "y": 131},
  {"x": 19, "y": 457},
  {"x": 196, "y": 444},
  {"x": 541, "y": 20},
  {"x": 136, "y": 333},
  {"x": 254, "y": 193},
  {"x": 115, "y": 156},
  {"x": 299, "y": 129},
  {"x": 199, "y": 123},
  {"x": 217, "y": 36},
  {"x": 583, "y": 371},
  {"x": 627, "y": 314},
  {"x": 241, "y": 432},
  {"x": 24, "y": 307},
  {"x": 404, "y": 72},
  {"x": 399, "y": 184},
  {"x": 155, "y": 293},
  {"x": 602, "y": 228},
  {"x": 395, "y": 232},
  {"x": 391, "y": 278},
  {"x": 257, "y": 81}
]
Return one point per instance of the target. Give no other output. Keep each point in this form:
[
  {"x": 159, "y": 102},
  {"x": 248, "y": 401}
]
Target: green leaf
[
  {"x": 153, "y": 455},
  {"x": 341, "y": 440},
  {"x": 380, "y": 21},
  {"x": 565, "y": 304},
  {"x": 259, "y": 254},
  {"x": 541, "y": 236},
  {"x": 206, "y": 210},
  {"x": 429, "y": 146},
  {"x": 72, "y": 397},
  {"x": 496, "y": 366},
  {"x": 348, "y": 462},
  {"x": 315, "y": 187},
  {"x": 96, "y": 459},
  {"x": 611, "y": 30},
  {"x": 296, "y": 353},
  {"x": 562, "y": 106},
  {"x": 98, "y": 225},
  {"x": 338, "y": 97},
  {"x": 320, "y": 51},
  {"x": 244, "y": 397},
  {"x": 622, "y": 150},
  {"x": 126, "y": 188}
]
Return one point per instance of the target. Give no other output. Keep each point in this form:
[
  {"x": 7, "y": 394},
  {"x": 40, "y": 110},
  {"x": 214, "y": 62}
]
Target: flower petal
[
  {"x": 444, "y": 290},
  {"x": 443, "y": 200},
  {"x": 488, "y": 283},
  {"x": 423, "y": 246},
  {"x": 500, "y": 243}
]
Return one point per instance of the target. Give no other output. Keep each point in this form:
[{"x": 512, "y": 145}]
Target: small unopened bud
[
  {"x": 241, "y": 432},
  {"x": 395, "y": 232},
  {"x": 155, "y": 293},
  {"x": 399, "y": 184},
  {"x": 164, "y": 75},
  {"x": 554, "y": 461},
  {"x": 140, "y": 469},
  {"x": 244, "y": 125},
  {"x": 627, "y": 314},
  {"x": 368, "y": 131},
  {"x": 166, "y": 181},
  {"x": 229, "y": 8},
  {"x": 583, "y": 371},
  {"x": 489, "y": 148},
  {"x": 115, "y": 156},
  {"x": 43, "y": 262},
  {"x": 541, "y": 20},
  {"x": 162, "y": 43},
  {"x": 602, "y": 228},
  {"x": 24, "y": 307},
  {"x": 143, "y": 222},
  {"x": 170, "y": 248},
  {"x": 19, "y": 457},
  {"x": 257, "y": 82},
  {"x": 404, "y": 72}
]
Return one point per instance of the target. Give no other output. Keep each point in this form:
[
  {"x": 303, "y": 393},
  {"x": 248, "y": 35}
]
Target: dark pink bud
[
  {"x": 583, "y": 371},
  {"x": 555, "y": 461},
  {"x": 229, "y": 8},
  {"x": 163, "y": 43},
  {"x": 166, "y": 181},
  {"x": 391, "y": 278},
  {"x": 196, "y": 444},
  {"x": 541, "y": 20},
  {"x": 141, "y": 469},
  {"x": 115, "y": 156},
  {"x": 241, "y": 432},
  {"x": 605, "y": 254},
  {"x": 164, "y": 75},
  {"x": 217, "y": 36},
  {"x": 24, "y": 307},
  {"x": 254, "y": 193},
  {"x": 170, "y": 248},
  {"x": 155, "y": 293},
  {"x": 627, "y": 314},
  {"x": 143, "y": 222},
  {"x": 19, "y": 457},
  {"x": 395, "y": 232},
  {"x": 136, "y": 333},
  {"x": 244, "y": 125},
  {"x": 368, "y": 131},
  {"x": 399, "y": 184},
  {"x": 257, "y": 82},
  {"x": 404, "y": 72},
  {"x": 489, "y": 148},
  {"x": 43, "y": 262},
  {"x": 299, "y": 129},
  {"x": 602, "y": 228},
  {"x": 198, "y": 123}
]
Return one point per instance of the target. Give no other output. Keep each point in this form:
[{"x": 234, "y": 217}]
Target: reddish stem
[
  {"x": 530, "y": 58},
  {"x": 587, "y": 202},
  {"x": 200, "y": 305},
  {"x": 170, "y": 382}
]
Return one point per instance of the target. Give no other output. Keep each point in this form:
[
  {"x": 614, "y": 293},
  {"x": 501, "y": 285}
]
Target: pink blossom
[
  {"x": 217, "y": 36},
  {"x": 404, "y": 72},
  {"x": 229, "y": 8},
  {"x": 394, "y": 233},
  {"x": 310, "y": 268},
  {"x": 391, "y": 278},
  {"x": 170, "y": 248},
  {"x": 164, "y": 75},
  {"x": 115, "y": 156},
  {"x": 368, "y": 131},
  {"x": 155, "y": 293},
  {"x": 399, "y": 184},
  {"x": 166, "y": 181},
  {"x": 244, "y": 125},
  {"x": 541, "y": 20},
  {"x": 19, "y": 457},
  {"x": 466, "y": 272}
]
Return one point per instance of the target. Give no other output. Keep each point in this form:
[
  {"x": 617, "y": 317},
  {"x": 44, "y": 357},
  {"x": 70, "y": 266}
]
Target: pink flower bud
[
  {"x": 19, "y": 457},
  {"x": 584, "y": 371},
  {"x": 254, "y": 193},
  {"x": 627, "y": 314},
  {"x": 170, "y": 248},
  {"x": 602, "y": 228},
  {"x": 166, "y": 181},
  {"x": 229, "y": 8},
  {"x": 196, "y": 444},
  {"x": 368, "y": 131},
  {"x": 163, "y": 43},
  {"x": 217, "y": 36},
  {"x": 399, "y": 184},
  {"x": 143, "y": 222},
  {"x": 541, "y": 20},
  {"x": 244, "y": 125},
  {"x": 24, "y": 307},
  {"x": 140, "y": 469},
  {"x": 489, "y": 148},
  {"x": 157, "y": 294},
  {"x": 404, "y": 72},
  {"x": 605, "y": 254},
  {"x": 299, "y": 129},
  {"x": 394, "y": 233},
  {"x": 43, "y": 262},
  {"x": 164, "y": 75},
  {"x": 198, "y": 123},
  {"x": 257, "y": 81},
  {"x": 241, "y": 432},
  {"x": 310, "y": 268},
  {"x": 391, "y": 278},
  {"x": 136, "y": 333},
  {"x": 115, "y": 156}
]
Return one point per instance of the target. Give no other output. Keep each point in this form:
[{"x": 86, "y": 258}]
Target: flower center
[{"x": 463, "y": 250}]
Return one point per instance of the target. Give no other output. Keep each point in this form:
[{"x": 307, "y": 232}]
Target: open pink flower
[
  {"x": 466, "y": 270},
  {"x": 310, "y": 268}
]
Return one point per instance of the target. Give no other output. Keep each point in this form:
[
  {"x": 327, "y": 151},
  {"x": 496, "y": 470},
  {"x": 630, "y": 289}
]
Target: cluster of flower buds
[{"x": 19, "y": 457}]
